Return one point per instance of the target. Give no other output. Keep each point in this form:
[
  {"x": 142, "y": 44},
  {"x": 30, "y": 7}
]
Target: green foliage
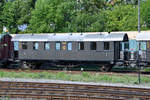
[
  {"x": 44, "y": 16},
  {"x": 83, "y": 76},
  {"x": 122, "y": 18},
  {"x": 16, "y": 13},
  {"x": 86, "y": 74},
  {"x": 91, "y": 6},
  {"x": 147, "y": 69},
  {"x": 146, "y": 13},
  {"x": 124, "y": 2},
  {"x": 60, "y": 75},
  {"x": 8, "y": 17},
  {"x": 65, "y": 16},
  {"x": 47, "y": 16},
  {"x": 86, "y": 22},
  {"x": 2, "y": 3}
]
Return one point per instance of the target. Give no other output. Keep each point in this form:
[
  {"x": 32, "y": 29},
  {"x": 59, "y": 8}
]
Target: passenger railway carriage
[
  {"x": 105, "y": 50},
  {"x": 143, "y": 40}
]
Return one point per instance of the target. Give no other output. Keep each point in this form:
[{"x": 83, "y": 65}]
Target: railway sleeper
[
  {"x": 80, "y": 90},
  {"x": 64, "y": 87},
  {"x": 82, "y": 97},
  {"x": 84, "y": 94},
  {"x": 75, "y": 90}
]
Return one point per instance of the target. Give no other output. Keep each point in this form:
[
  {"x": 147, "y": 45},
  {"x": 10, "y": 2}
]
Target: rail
[{"x": 61, "y": 91}]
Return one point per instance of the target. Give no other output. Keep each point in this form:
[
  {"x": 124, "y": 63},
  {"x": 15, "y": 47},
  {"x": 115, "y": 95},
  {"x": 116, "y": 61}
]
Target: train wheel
[
  {"x": 30, "y": 65},
  {"x": 22, "y": 65},
  {"x": 105, "y": 68},
  {"x": 33, "y": 66},
  {"x": 25, "y": 65}
]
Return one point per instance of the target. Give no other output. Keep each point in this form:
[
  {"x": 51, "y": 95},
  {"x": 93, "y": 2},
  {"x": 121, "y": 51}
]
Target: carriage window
[
  {"x": 106, "y": 46},
  {"x": 142, "y": 45},
  {"x": 69, "y": 46},
  {"x": 81, "y": 45},
  {"x": 58, "y": 46},
  {"x": 16, "y": 46},
  {"x": 35, "y": 46},
  {"x": 24, "y": 45},
  {"x": 93, "y": 45},
  {"x": 46, "y": 46}
]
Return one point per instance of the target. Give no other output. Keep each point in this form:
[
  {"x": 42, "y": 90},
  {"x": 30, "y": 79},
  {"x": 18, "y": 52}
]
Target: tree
[
  {"x": 2, "y": 3},
  {"x": 51, "y": 16},
  {"x": 65, "y": 16},
  {"x": 44, "y": 16},
  {"x": 82, "y": 18},
  {"x": 123, "y": 2},
  {"x": 86, "y": 22},
  {"x": 145, "y": 12},
  {"x": 16, "y": 13},
  {"x": 122, "y": 18},
  {"x": 8, "y": 15},
  {"x": 91, "y": 6}
]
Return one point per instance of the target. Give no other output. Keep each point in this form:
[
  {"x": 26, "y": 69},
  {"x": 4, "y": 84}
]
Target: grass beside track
[{"x": 83, "y": 77}]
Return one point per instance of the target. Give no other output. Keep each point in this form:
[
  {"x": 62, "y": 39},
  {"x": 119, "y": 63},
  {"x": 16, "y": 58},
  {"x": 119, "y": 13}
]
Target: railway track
[{"x": 61, "y": 91}]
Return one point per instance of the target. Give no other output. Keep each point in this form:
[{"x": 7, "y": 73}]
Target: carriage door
[
  {"x": 16, "y": 49},
  {"x": 124, "y": 53},
  {"x": 142, "y": 51},
  {"x": 117, "y": 49}
]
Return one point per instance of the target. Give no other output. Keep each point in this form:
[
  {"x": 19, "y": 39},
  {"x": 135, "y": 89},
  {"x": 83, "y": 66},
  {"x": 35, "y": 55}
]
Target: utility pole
[{"x": 138, "y": 56}]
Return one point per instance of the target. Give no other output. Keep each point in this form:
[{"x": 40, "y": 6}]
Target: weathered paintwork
[{"x": 6, "y": 47}]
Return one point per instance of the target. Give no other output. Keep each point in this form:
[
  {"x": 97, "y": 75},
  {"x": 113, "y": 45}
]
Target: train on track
[{"x": 72, "y": 49}]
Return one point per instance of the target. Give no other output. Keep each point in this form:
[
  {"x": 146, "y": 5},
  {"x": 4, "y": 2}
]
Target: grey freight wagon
[{"x": 70, "y": 49}]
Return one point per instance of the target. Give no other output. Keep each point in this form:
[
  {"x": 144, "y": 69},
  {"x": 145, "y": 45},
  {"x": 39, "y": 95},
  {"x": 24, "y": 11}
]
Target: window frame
[
  {"x": 80, "y": 44},
  {"x": 16, "y": 45},
  {"x": 56, "y": 46},
  {"x": 34, "y": 45},
  {"x": 142, "y": 46},
  {"x": 106, "y": 45},
  {"x": 24, "y": 45},
  {"x": 68, "y": 46},
  {"x": 93, "y": 45},
  {"x": 45, "y": 46}
]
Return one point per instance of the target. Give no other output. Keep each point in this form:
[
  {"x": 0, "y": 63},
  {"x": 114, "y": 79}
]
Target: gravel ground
[{"x": 72, "y": 82}]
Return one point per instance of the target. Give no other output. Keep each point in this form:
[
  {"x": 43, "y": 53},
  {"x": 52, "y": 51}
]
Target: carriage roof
[
  {"x": 143, "y": 36},
  {"x": 71, "y": 37}
]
